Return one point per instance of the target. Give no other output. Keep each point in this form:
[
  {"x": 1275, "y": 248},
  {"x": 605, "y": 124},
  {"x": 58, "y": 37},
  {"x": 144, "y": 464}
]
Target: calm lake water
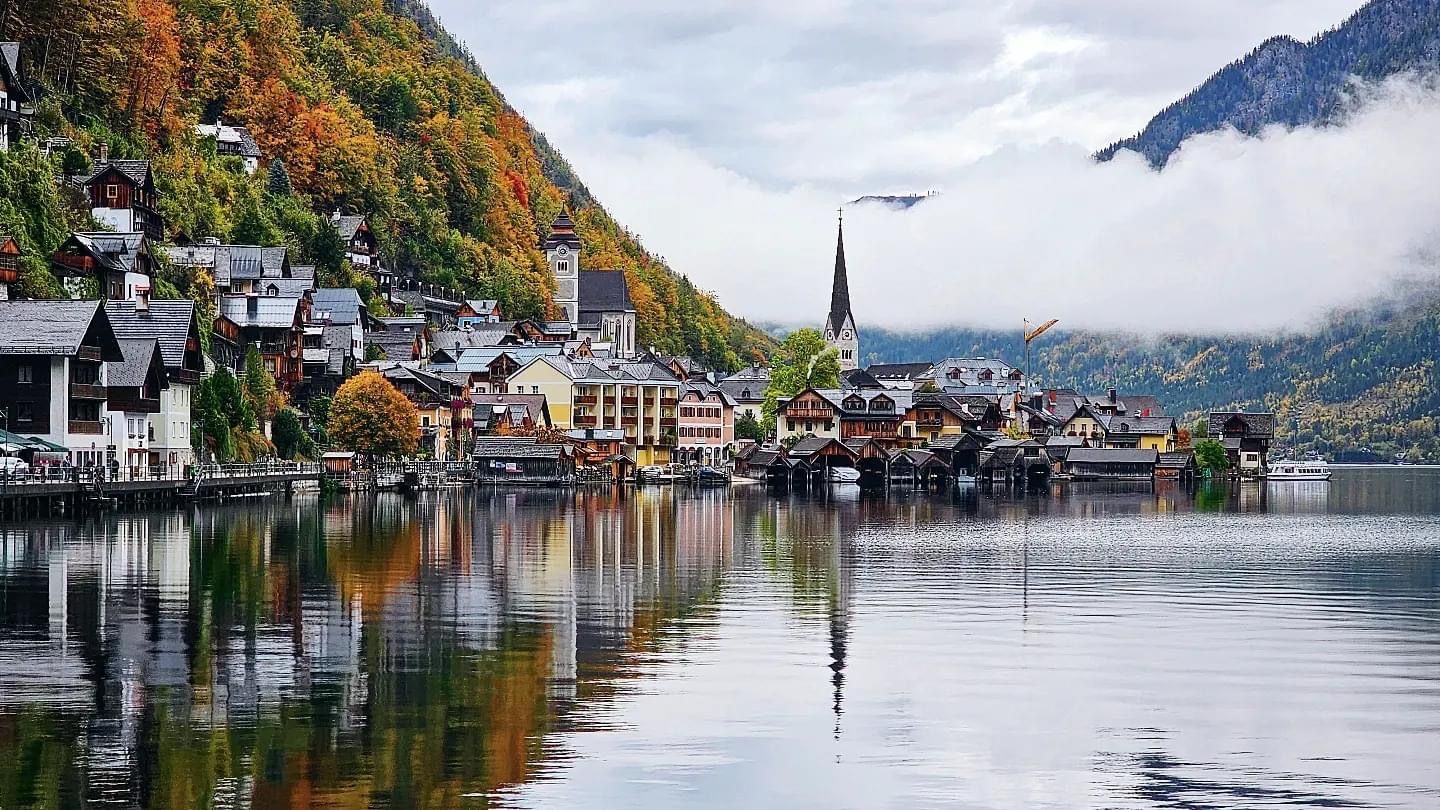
[{"x": 1261, "y": 647}]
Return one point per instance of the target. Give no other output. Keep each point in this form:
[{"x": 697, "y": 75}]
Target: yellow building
[
  {"x": 640, "y": 398},
  {"x": 1122, "y": 431}
]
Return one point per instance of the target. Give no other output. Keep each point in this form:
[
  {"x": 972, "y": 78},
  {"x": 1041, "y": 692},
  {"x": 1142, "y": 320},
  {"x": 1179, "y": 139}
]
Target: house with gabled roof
[
  {"x": 134, "y": 386},
  {"x": 276, "y": 327},
  {"x": 1246, "y": 437},
  {"x": 475, "y": 311},
  {"x": 244, "y": 269},
  {"x": 120, "y": 264},
  {"x": 232, "y": 141},
  {"x": 362, "y": 249},
  {"x": 441, "y": 406},
  {"x": 53, "y": 364},
  {"x": 175, "y": 327},
  {"x": 121, "y": 194}
]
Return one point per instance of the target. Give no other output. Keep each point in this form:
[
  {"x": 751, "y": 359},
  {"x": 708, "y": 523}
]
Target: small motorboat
[
  {"x": 844, "y": 475},
  {"x": 1299, "y": 471}
]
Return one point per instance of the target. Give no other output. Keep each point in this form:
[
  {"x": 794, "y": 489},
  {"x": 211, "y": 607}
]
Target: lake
[{"x": 1244, "y": 646}]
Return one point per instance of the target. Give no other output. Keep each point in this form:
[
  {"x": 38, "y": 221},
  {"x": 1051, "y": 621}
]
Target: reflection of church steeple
[
  {"x": 839, "y": 637},
  {"x": 839, "y": 628}
]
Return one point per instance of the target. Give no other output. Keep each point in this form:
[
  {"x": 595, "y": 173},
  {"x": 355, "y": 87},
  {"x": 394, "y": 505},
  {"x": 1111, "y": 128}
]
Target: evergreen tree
[{"x": 277, "y": 180}]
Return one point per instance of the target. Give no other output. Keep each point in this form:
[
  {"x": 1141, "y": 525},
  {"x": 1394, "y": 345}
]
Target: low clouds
[
  {"x": 726, "y": 134},
  {"x": 1237, "y": 233}
]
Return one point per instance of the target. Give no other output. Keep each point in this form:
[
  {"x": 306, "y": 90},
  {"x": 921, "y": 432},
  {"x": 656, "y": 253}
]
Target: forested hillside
[
  {"x": 1287, "y": 82},
  {"x": 371, "y": 107},
  {"x": 1364, "y": 381}
]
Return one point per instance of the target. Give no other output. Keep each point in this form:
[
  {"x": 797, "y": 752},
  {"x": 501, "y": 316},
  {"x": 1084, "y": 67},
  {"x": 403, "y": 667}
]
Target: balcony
[
  {"x": 629, "y": 402},
  {"x": 91, "y": 353},
  {"x": 585, "y": 421},
  {"x": 95, "y": 428},
  {"x": 929, "y": 422},
  {"x": 586, "y": 399},
  {"x": 87, "y": 391},
  {"x": 630, "y": 421},
  {"x": 668, "y": 402},
  {"x": 808, "y": 413}
]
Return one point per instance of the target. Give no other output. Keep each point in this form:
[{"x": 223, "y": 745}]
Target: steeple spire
[{"x": 840, "y": 290}]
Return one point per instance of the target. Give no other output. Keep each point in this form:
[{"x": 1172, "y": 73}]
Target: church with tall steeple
[{"x": 840, "y": 331}]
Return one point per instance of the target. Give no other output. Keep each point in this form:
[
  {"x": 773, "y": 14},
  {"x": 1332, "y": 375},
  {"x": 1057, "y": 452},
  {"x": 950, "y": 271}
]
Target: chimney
[
  {"x": 142, "y": 299},
  {"x": 102, "y": 153},
  {"x": 1110, "y": 395}
]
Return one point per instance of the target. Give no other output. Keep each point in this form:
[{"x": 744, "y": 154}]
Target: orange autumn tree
[{"x": 371, "y": 417}]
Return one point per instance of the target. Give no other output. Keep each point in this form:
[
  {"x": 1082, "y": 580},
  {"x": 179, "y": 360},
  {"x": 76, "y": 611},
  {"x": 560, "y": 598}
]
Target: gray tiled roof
[
  {"x": 604, "y": 291},
  {"x": 287, "y": 287},
  {"x": 897, "y": 371},
  {"x": 342, "y": 303},
  {"x": 166, "y": 321},
  {"x": 52, "y": 327},
  {"x": 1149, "y": 425},
  {"x": 347, "y": 225},
  {"x": 1111, "y": 455},
  {"x": 131, "y": 372},
  {"x": 135, "y": 170},
  {"x": 270, "y": 311},
  {"x": 1258, "y": 425},
  {"x": 114, "y": 251}
]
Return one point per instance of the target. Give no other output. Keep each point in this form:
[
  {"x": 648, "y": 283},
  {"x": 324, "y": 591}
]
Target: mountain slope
[
  {"x": 372, "y": 107},
  {"x": 1290, "y": 83}
]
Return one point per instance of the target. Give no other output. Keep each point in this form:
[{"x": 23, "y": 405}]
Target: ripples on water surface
[{"x": 1256, "y": 648}]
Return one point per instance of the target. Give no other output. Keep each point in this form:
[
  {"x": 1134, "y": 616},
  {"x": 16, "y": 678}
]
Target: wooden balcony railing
[
  {"x": 87, "y": 428},
  {"x": 91, "y": 353},
  {"x": 585, "y": 421},
  {"x": 87, "y": 391}
]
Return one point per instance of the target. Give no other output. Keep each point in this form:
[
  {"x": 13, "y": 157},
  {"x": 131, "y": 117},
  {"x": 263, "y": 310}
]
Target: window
[
  {"x": 24, "y": 413},
  {"x": 563, "y": 268},
  {"x": 25, "y": 373},
  {"x": 847, "y": 354},
  {"x": 425, "y": 421},
  {"x": 534, "y": 389},
  {"x": 112, "y": 191}
]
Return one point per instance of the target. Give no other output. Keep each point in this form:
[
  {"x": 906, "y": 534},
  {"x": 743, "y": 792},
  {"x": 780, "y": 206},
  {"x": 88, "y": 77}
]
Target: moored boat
[{"x": 1299, "y": 471}]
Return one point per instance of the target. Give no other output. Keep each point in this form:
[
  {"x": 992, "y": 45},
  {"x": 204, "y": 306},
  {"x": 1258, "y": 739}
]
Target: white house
[{"x": 175, "y": 327}]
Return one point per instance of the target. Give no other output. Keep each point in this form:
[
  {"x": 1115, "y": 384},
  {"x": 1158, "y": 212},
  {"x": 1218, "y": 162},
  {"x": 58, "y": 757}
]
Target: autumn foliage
[
  {"x": 369, "y": 114},
  {"x": 371, "y": 417}
]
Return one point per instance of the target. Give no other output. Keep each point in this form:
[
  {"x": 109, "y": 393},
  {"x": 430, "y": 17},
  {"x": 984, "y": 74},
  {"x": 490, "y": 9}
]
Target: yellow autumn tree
[{"x": 371, "y": 417}]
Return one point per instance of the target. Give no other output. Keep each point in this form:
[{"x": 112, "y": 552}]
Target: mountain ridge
[{"x": 1283, "y": 81}]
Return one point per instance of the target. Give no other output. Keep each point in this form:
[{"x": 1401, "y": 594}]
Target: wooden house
[
  {"x": 120, "y": 264},
  {"x": 121, "y": 194}
]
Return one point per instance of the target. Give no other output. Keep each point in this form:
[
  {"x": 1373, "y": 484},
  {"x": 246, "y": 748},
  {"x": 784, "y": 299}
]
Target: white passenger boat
[
  {"x": 844, "y": 475},
  {"x": 1299, "y": 471}
]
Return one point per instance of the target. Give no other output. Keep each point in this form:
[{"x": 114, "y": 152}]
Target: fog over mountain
[{"x": 1237, "y": 233}]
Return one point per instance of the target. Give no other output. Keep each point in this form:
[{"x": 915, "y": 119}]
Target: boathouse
[
  {"x": 522, "y": 460},
  {"x": 1111, "y": 464}
]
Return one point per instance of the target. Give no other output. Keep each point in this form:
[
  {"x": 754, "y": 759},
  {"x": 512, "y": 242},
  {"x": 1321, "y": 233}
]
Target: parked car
[{"x": 12, "y": 466}]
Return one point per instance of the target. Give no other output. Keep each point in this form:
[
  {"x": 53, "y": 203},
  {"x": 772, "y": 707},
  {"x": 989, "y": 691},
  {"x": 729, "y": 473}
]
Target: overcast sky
[{"x": 753, "y": 120}]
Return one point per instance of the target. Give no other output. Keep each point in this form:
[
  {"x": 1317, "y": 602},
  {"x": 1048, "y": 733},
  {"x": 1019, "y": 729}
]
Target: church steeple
[{"x": 840, "y": 330}]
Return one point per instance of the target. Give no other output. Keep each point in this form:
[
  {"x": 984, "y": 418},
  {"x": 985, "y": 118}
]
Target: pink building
[{"x": 706, "y": 424}]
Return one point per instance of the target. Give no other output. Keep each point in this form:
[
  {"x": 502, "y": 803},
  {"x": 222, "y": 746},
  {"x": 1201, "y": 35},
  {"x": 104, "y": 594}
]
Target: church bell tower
[
  {"x": 840, "y": 331},
  {"x": 562, "y": 252}
]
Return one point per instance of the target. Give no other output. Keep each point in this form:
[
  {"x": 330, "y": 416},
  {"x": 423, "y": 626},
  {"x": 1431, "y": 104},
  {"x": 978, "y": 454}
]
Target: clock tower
[{"x": 562, "y": 252}]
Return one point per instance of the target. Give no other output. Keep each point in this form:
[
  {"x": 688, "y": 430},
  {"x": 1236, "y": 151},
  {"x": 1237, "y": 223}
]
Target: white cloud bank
[{"x": 1237, "y": 233}]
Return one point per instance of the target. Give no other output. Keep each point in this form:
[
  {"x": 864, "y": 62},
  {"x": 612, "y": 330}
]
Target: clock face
[{"x": 564, "y": 251}]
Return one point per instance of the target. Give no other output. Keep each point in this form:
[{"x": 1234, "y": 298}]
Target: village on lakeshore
[{"x": 107, "y": 383}]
